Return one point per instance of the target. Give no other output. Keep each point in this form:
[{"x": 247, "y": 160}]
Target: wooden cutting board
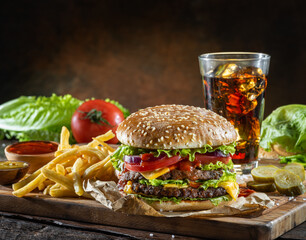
[{"x": 273, "y": 223}]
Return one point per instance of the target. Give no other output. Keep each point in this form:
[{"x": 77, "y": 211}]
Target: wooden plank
[{"x": 268, "y": 226}]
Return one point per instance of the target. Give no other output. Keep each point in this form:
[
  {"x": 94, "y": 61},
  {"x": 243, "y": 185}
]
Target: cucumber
[
  {"x": 288, "y": 183},
  {"x": 261, "y": 187},
  {"x": 264, "y": 174},
  {"x": 297, "y": 169}
]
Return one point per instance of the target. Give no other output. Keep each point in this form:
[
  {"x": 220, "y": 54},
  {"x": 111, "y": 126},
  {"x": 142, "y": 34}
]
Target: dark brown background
[{"x": 144, "y": 53}]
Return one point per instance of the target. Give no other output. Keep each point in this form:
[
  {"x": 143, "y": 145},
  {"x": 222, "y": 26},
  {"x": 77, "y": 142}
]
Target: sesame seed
[
  {"x": 166, "y": 136},
  {"x": 153, "y": 129},
  {"x": 178, "y": 129},
  {"x": 162, "y": 138},
  {"x": 185, "y": 131},
  {"x": 145, "y": 134},
  {"x": 167, "y": 131},
  {"x": 151, "y": 141},
  {"x": 148, "y": 145}
]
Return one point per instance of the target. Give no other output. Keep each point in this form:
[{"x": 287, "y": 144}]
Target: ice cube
[
  {"x": 253, "y": 71},
  {"x": 229, "y": 70},
  {"x": 239, "y": 104},
  {"x": 252, "y": 87}
]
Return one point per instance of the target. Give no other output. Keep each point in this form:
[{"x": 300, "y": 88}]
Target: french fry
[
  {"x": 77, "y": 184},
  {"x": 55, "y": 186},
  {"x": 77, "y": 166},
  {"x": 63, "y": 176},
  {"x": 41, "y": 186},
  {"x": 62, "y": 180},
  {"x": 57, "y": 192},
  {"x": 25, "y": 181},
  {"x": 69, "y": 162},
  {"x": 93, "y": 169},
  {"x": 60, "y": 169},
  {"x": 30, "y": 186},
  {"x": 73, "y": 153},
  {"x": 46, "y": 191},
  {"x": 102, "y": 138},
  {"x": 90, "y": 152},
  {"x": 64, "y": 141},
  {"x": 109, "y": 148}
]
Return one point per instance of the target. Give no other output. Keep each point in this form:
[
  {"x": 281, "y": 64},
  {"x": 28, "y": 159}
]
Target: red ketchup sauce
[{"x": 33, "y": 147}]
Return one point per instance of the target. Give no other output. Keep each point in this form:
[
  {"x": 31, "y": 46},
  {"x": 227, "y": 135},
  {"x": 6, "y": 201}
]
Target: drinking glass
[{"x": 234, "y": 86}]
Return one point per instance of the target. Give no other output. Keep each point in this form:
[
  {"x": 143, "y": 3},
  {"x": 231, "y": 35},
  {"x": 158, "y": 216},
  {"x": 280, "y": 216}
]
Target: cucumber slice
[
  {"x": 297, "y": 169},
  {"x": 264, "y": 173},
  {"x": 288, "y": 183},
  {"x": 261, "y": 187}
]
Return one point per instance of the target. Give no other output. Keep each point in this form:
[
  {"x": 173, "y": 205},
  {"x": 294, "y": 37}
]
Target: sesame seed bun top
[{"x": 175, "y": 127}]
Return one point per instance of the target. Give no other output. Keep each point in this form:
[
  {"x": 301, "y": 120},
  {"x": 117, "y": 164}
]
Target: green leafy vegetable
[
  {"x": 37, "y": 118},
  {"x": 215, "y": 201},
  {"x": 299, "y": 158},
  {"x": 190, "y": 152},
  {"x": 117, "y": 157},
  {"x": 285, "y": 126},
  {"x": 218, "y": 165},
  {"x": 159, "y": 182},
  {"x": 227, "y": 176},
  {"x": 124, "y": 110}
]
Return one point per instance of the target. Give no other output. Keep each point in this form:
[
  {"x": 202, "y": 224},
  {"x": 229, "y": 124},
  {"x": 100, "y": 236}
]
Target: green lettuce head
[{"x": 285, "y": 126}]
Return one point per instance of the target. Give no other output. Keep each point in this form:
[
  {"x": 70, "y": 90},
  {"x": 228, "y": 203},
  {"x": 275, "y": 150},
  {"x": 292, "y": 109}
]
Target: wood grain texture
[{"x": 268, "y": 226}]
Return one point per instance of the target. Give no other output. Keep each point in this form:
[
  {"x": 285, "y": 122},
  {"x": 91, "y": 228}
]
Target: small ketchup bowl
[
  {"x": 36, "y": 153},
  {"x": 12, "y": 171}
]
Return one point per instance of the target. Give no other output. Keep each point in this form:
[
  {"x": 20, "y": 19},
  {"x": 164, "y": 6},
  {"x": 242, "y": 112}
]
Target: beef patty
[
  {"x": 193, "y": 175},
  {"x": 188, "y": 192}
]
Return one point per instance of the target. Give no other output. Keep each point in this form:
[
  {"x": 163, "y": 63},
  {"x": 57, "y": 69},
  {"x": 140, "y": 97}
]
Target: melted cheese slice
[
  {"x": 232, "y": 188},
  {"x": 155, "y": 173},
  {"x": 128, "y": 188},
  {"x": 175, "y": 186}
]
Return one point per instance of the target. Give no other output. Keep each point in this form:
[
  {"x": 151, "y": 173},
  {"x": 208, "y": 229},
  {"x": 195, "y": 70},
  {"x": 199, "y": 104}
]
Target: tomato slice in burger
[{"x": 152, "y": 165}]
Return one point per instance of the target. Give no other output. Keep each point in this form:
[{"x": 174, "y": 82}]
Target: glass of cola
[{"x": 234, "y": 86}]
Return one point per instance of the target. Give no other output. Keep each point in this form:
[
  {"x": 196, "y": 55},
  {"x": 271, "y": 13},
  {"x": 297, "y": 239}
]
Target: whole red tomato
[{"x": 93, "y": 118}]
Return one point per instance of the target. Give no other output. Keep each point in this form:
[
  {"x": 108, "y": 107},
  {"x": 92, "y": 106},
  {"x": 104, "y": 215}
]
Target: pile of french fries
[{"x": 64, "y": 175}]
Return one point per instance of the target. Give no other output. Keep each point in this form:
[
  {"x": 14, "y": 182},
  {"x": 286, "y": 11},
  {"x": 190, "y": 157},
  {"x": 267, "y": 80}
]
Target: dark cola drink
[{"x": 238, "y": 94}]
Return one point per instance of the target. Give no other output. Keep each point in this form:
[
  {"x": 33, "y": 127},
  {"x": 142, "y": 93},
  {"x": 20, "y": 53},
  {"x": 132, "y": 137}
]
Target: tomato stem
[{"x": 95, "y": 116}]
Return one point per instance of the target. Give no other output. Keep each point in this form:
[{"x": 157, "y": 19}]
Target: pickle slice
[
  {"x": 288, "y": 183},
  {"x": 264, "y": 173},
  {"x": 297, "y": 169},
  {"x": 261, "y": 187}
]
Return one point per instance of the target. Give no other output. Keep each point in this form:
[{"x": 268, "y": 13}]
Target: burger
[{"x": 176, "y": 158}]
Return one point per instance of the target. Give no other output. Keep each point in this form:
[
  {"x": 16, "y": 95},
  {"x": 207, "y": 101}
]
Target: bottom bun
[{"x": 187, "y": 205}]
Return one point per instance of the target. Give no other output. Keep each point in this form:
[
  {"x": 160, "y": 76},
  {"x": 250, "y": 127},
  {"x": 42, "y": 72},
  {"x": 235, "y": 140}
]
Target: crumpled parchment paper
[{"x": 107, "y": 193}]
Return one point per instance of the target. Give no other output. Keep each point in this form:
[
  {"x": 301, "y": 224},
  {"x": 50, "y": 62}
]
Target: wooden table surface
[{"x": 19, "y": 226}]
